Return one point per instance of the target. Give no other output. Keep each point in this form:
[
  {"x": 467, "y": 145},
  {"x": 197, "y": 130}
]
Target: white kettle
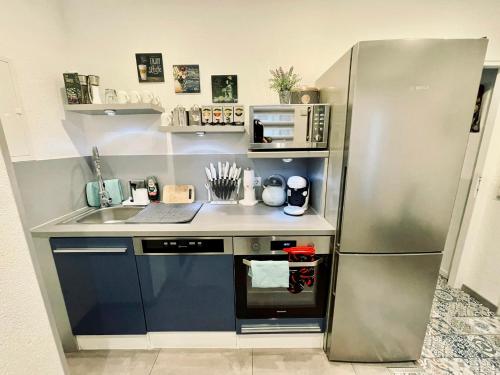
[{"x": 274, "y": 193}]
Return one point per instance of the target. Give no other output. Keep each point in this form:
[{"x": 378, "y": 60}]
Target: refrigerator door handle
[{"x": 338, "y": 232}]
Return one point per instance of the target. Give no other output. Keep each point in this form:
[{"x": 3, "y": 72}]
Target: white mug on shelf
[
  {"x": 156, "y": 100},
  {"x": 147, "y": 96},
  {"x": 134, "y": 97},
  {"x": 122, "y": 97}
]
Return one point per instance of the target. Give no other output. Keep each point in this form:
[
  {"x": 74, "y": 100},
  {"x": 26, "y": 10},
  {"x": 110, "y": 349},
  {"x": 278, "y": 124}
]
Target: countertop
[{"x": 211, "y": 220}]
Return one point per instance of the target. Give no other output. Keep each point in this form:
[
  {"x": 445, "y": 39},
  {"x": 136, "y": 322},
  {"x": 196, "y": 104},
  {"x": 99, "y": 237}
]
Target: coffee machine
[{"x": 297, "y": 195}]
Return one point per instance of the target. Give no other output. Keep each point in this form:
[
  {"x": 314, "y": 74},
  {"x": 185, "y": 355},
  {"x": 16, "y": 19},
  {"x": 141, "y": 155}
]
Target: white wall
[
  {"x": 48, "y": 37},
  {"x": 27, "y": 345},
  {"x": 34, "y": 40},
  {"x": 477, "y": 265}
]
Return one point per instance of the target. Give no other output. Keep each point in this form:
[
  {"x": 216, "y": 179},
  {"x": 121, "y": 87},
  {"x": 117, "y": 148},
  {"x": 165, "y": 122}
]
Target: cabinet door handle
[{"x": 83, "y": 250}]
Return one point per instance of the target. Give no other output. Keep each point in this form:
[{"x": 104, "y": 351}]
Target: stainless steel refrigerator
[{"x": 401, "y": 114}]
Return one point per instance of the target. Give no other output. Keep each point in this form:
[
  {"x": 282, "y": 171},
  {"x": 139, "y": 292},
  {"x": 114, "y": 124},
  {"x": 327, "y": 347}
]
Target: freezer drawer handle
[
  {"x": 95, "y": 250},
  {"x": 292, "y": 264}
]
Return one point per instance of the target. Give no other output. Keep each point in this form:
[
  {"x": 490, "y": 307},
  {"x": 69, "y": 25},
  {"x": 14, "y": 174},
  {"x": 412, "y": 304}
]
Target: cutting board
[{"x": 178, "y": 194}]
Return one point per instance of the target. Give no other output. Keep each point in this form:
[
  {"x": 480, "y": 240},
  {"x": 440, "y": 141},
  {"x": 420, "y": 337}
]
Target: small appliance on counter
[
  {"x": 297, "y": 192},
  {"x": 138, "y": 193},
  {"x": 289, "y": 127},
  {"x": 248, "y": 188},
  {"x": 274, "y": 193}
]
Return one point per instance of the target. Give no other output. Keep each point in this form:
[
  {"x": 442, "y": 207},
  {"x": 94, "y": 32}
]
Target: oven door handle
[{"x": 292, "y": 264}]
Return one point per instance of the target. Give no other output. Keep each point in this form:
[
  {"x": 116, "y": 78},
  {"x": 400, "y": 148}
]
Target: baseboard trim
[
  {"x": 491, "y": 306},
  {"x": 192, "y": 340},
  {"x": 108, "y": 342}
]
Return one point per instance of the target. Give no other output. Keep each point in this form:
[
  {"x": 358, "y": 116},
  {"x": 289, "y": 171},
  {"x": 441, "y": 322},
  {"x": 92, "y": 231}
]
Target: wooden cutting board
[{"x": 178, "y": 194}]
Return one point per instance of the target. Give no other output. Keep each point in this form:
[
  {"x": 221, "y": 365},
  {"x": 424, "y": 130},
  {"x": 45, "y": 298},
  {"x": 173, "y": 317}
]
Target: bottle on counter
[{"x": 153, "y": 189}]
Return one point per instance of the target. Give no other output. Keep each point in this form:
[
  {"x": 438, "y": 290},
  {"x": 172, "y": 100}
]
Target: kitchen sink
[{"x": 109, "y": 215}]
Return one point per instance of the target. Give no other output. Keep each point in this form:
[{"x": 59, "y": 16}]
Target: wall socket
[{"x": 257, "y": 181}]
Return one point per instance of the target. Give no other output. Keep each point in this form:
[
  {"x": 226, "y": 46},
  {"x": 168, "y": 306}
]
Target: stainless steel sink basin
[{"x": 109, "y": 215}]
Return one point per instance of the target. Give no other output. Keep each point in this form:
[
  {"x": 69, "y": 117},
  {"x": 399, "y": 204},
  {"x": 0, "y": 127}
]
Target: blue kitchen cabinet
[
  {"x": 100, "y": 285},
  {"x": 187, "y": 292}
]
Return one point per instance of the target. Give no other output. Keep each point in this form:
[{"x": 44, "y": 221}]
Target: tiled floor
[{"x": 463, "y": 338}]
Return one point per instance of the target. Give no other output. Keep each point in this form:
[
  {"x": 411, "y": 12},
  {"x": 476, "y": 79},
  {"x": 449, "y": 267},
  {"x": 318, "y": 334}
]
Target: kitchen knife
[
  {"x": 220, "y": 169},
  {"x": 209, "y": 175},
  {"x": 212, "y": 169}
]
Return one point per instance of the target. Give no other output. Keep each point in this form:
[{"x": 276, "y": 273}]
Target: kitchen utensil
[
  {"x": 93, "y": 87},
  {"x": 110, "y": 96},
  {"x": 156, "y": 100},
  {"x": 147, "y": 96},
  {"x": 194, "y": 115},
  {"x": 206, "y": 115},
  {"x": 122, "y": 97},
  {"x": 179, "y": 116},
  {"x": 274, "y": 193},
  {"x": 85, "y": 89},
  {"x": 207, "y": 186},
  {"x": 134, "y": 97},
  {"x": 248, "y": 188},
  {"x": 178, "y": 194}
]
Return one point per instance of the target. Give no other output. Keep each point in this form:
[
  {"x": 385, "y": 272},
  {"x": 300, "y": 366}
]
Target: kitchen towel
[
  {"x": 269, "y": 273},
  {"x": 113, "y": 187}
]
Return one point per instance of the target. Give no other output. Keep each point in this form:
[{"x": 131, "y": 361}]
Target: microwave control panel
[{"x": 319, "y": 117}]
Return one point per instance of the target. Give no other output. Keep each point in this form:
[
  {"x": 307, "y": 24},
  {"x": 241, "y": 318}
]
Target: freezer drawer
[{"x": 381, "y": 306}]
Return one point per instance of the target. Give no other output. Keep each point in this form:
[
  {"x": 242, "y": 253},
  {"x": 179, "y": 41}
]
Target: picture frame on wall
[
  {"x": 149, "y": 67},
  {"x": 225, "y": 88},
  {"x": 186, "y": 79}
]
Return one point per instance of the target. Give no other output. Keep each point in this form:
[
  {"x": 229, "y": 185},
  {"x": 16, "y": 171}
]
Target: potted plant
[{"x": 283, "y": 82}]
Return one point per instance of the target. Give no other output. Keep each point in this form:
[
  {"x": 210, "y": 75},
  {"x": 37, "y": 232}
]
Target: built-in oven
[
  {"x": 289, "y": 126},
  {"x": 300, "y": 307}
]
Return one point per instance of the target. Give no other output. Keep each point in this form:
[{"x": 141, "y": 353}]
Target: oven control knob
[
  {"x": 255, "y": 246},
  {"x": 317, "y": 137}
]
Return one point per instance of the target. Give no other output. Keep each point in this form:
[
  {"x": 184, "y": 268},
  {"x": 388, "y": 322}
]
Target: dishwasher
[{"x": 186, "y": 283}]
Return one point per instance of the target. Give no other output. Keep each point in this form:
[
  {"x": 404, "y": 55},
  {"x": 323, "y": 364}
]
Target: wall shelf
[
  {"x": 120, "y": 109},
  {"x": 194, "y": 129},
  {"x": 297, "y": 154}
]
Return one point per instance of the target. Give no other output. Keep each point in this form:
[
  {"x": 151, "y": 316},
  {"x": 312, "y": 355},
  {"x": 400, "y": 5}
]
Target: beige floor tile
[
  {"x": 111, "y": 362},
  {"x": 297, "y": 362},
  {"x": 203, "y": 362},
  {"x": 379, "y": 368}
]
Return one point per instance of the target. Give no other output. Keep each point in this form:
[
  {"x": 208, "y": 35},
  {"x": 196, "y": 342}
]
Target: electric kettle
[{"x": 274, "y": 193}]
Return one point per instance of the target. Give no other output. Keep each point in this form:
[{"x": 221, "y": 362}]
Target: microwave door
[{"x": 302, "y": 128}]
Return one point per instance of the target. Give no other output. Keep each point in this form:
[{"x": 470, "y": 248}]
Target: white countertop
[{"x": 211, "y": 220}]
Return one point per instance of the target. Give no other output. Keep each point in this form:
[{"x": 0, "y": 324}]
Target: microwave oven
[{"x": 289, "y": 126}]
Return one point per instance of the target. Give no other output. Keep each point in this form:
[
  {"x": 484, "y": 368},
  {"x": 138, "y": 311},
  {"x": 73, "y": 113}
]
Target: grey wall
[{"x": 52, "y": 188}]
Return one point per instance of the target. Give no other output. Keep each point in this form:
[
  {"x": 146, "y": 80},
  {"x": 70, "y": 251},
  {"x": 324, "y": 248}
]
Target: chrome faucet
[{"x": 104, "y": 198}]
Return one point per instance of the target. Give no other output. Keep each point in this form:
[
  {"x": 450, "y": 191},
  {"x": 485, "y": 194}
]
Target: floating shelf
[
  {"x": 120, "y": 109},
  {"x": 288, "y": 154},
  {"x": 197, "y": 129}
]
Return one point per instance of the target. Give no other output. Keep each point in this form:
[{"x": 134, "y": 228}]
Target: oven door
[
  {"x": 266, "y": 303},
  {"x": 280, "y": 127}
]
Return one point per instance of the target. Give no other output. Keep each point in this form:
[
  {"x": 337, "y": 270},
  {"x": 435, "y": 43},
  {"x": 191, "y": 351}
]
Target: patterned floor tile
[
  {"x": 463, "y": 336},
  {"x": 478, "y": 326},
  {"x": 446, "y": 366}
]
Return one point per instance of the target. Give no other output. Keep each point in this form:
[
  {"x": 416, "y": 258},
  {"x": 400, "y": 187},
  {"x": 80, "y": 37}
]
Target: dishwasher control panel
[{"x": 178, "y": 245}]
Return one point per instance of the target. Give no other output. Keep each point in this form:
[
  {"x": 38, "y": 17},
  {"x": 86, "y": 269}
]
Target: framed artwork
[
  {"x": 186, "y": 79},
  {"x": 149, "y": 67},
  {"x": 225, "y": 89}
]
